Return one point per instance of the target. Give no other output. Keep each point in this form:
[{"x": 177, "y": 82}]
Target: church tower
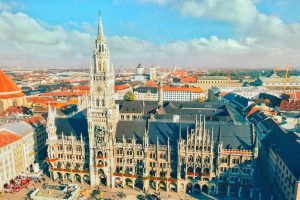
[{"x": 103, "y": 113}]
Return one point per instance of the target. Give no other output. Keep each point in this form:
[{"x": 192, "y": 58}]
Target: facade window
[
  {"x": 235, "y": 170},
  {"x": 235, "y": 161},
  {"x": 152, "y": 155},
  {"x": 119, "y": 151},
  {"x": 224, "y": 160}
]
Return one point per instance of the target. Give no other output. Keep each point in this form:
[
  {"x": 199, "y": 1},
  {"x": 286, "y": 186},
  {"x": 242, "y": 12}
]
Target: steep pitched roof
[
  {"x": 7, "y": 137},
  {"x": 287, "y": 146},
  {"x": 20, "y": 128},
  {"x": 8, "y": 89},
  {"x": 130, "y": 129},
  {"x": 74, "y": 125}
]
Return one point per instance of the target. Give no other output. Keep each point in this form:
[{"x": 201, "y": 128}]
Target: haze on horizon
[{"x": 184, "y": 33}]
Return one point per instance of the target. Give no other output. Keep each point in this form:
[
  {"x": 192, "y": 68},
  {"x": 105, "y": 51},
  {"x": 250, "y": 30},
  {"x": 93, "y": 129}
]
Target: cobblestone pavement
[{"x": 108, "y": 193}]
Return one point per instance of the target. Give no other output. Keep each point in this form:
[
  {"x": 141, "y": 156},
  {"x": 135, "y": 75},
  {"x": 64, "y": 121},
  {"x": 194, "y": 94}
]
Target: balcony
[
  {"x": 71, "y": 170},
  {"x": 51, "y": 159},
  {"x": 101, "y": 157},
  {"x": 190, "y": 174}
]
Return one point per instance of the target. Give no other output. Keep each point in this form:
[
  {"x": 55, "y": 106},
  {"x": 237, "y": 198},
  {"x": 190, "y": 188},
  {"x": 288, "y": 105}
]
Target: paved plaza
[{"x": 86, "y": 191}]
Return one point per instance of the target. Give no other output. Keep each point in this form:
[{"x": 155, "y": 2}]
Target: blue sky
[
  {"x": 200, "y": 33},
  {"x": 140, "y": 20}
]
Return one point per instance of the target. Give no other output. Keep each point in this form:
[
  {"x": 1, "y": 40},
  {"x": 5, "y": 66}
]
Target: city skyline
[{"x": 209, "y": 34}]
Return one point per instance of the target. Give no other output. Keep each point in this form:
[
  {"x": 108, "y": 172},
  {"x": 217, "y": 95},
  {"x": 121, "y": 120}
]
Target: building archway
[
  {"x": 152, "y": 184},
  {"x": 78, "y": 178},
  {"x": 129, "y": 182},
  {"x": 173, "y": 187},
  {"x": 139, "y": 183},
  {"x": 86, "y": 179},
  {"x": 205, "y": 189},
  {"x": 60, "y": 176},
  {"x": 189, "y": 188},
  {"x": 69, "y": 177},
  {"x": 118, "y": 182},
  {"x": 197, "y": 188},
  {"x": 103, "y": 179},
  {"x": 162, "y": 185}
]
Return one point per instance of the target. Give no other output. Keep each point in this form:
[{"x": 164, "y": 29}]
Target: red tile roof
[
  {"x": 34, "y": 119},
  {"x": 8, "y": 88},
  {"x": 188, "y": 79},
  {"x": 81, "y": 87},
  {"x": 179, "y": 73},
  {"x": 61, "y": 93},
  {"x": 121, "y": 87},
  {"x": 292, "y": 105},
  {"x": 151, "y": 84},
  {"x": 7, "y": 137},
  {"x": 12, "y": 110},
  {"x": 253, "y": 110}
]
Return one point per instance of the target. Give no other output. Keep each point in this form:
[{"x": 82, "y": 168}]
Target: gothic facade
[{"x": 191, "y": 147}]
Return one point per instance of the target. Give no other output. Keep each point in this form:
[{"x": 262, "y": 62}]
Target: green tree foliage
[{"x": 129, "y": 96}]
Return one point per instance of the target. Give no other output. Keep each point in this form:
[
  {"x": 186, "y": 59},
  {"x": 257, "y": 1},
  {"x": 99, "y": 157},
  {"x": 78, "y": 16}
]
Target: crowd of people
[{"x": 17, "y": 184}]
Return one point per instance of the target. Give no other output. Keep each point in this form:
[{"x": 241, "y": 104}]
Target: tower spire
[{"x": 100, "y": 27}]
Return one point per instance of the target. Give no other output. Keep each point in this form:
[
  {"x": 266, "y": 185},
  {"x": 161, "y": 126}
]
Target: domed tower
[{"x": 10, "y": 93}]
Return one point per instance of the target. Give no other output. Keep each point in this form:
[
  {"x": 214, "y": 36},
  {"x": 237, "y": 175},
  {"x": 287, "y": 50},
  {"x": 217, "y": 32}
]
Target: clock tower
[{"x": 103, "y": 113}]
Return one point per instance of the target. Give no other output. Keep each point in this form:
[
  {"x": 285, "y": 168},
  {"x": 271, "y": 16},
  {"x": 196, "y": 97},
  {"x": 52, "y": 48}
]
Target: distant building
[
  {"x": 146, "y": 93},
  {"x": 17, "y": 151},
  {"x": 250, "y": 93},
  {"x": 178, "y": 73},
  {"x": 121, "y": 90},
  {"x": 152, "y": 73},
  {"x": 278, "y": 157},
  {"x": 140, "y": 74},
  {"x": 216, "y": 81},
  {"x": 185, "y": 94},
  {"x": 275, "y": 82},
  {"x": 10, "y": 93}
]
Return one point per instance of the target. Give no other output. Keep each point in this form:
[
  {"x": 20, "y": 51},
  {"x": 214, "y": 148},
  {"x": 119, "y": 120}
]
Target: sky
[{"x": 167, "y": 33}]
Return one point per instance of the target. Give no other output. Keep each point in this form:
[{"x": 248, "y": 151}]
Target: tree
[{"x": 129, "y": 96}]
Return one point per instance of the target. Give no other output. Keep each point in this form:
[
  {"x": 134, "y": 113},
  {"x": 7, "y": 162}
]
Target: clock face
[{"x": 99, "y": 89}]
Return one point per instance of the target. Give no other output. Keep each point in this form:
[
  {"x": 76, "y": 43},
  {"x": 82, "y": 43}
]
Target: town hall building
[{"x": 151, "y": 145}]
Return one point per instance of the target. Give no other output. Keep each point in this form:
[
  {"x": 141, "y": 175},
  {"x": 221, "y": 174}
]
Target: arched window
[
  {"x": 99, "y": 66},
  {"x": 97, "y": 103},
  {"x": 191, "y": 159},
  {"x": 207, "y": 159},
  {"x": 104, "y": 66}
]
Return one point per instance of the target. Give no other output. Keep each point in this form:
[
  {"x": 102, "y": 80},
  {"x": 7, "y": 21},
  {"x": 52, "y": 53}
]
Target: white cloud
[
  {"x": 25, "y": 42},
  {"x": 266, "y": 41},
  {"x": 269, "y": 34}
]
